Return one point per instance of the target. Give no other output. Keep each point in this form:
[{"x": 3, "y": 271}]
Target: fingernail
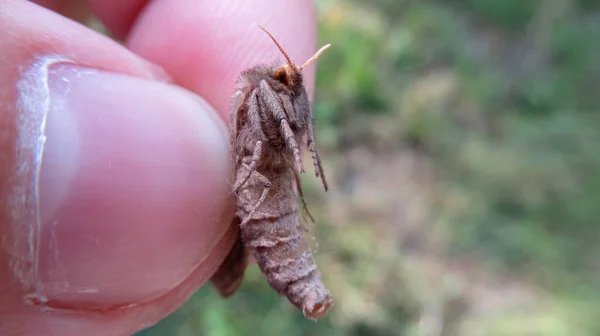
[{"x": 132, "y": 187}]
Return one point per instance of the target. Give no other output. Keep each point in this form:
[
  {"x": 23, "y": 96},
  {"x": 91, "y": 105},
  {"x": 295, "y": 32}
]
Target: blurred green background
[{"x": 462, "y": 142}]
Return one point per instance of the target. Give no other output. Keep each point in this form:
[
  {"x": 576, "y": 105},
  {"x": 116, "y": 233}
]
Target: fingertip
[{"x": 130, "y": 178}]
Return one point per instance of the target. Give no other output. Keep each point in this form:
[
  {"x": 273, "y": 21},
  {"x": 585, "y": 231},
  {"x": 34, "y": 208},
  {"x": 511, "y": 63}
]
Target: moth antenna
[
  {"x": 315, "y": 56},
  {"x": 289, "y": 60}
]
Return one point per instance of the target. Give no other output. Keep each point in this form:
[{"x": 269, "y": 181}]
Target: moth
[{"x": 270, "y": 118}]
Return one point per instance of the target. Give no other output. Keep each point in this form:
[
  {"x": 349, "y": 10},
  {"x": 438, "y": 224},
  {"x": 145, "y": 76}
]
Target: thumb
[{"x": 119, "y": 194}]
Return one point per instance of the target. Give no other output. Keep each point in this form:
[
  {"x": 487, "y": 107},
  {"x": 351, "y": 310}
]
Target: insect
[{"x": 270, "y": 117}]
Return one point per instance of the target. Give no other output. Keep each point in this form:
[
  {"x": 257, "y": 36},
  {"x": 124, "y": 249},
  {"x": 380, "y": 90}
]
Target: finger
[
  {"x": 77, "y": 10},
  {"x": 204, "y": 45},
  {"x": 118, "y": 15},
  {"x": 30, "y": 31},
  {"x": 112, "y": 185}
]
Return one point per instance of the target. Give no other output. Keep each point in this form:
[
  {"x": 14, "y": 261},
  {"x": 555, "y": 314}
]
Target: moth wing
[
  {"x": 230, "y": 274},
  {"x": 234, "y": 106},
  {"x": 236, "y": 101}
]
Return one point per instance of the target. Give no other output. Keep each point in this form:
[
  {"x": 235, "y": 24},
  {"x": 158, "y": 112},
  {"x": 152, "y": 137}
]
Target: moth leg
[
  {"x": 288, "y": 107},
  {"x": 254, "y": 117},
  {"x": 301, "y": 194},
  {"x": 257, "y": 153},
  {"x": 267, "y": 186},
  {"x": 272, "y": 101},
  {"x": 290, "y": 140},
  {"x": 315, "y": 155}
]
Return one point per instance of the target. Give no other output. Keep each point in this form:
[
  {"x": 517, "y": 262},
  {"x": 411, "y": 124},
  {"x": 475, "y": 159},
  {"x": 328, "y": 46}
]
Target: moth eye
[{"x": 281, "y": 75}]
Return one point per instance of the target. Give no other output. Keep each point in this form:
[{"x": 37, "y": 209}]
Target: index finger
[{"x": 204, "y": 45}]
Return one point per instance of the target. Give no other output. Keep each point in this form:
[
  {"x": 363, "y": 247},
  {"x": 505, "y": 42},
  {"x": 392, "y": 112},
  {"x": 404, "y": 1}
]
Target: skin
[{"x": 187, "y": 47}]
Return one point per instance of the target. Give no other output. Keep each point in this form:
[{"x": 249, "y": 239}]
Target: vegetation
[{"x": 462, "y": 141}]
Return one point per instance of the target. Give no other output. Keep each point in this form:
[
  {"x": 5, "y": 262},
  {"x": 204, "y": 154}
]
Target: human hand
[{"x": 134, "y": 185}]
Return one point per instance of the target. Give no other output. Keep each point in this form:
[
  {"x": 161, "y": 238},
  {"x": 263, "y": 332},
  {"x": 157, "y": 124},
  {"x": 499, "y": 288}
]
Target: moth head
[{"x": 289, "y": 74}]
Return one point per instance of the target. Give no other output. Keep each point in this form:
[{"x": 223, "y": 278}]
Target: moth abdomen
[
  {"x": 288, "y": 264},
  {"x": 277, "y": 240}
]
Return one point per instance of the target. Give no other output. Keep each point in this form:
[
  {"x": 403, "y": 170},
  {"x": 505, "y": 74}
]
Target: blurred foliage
[{"x": 462, "y": 140}]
